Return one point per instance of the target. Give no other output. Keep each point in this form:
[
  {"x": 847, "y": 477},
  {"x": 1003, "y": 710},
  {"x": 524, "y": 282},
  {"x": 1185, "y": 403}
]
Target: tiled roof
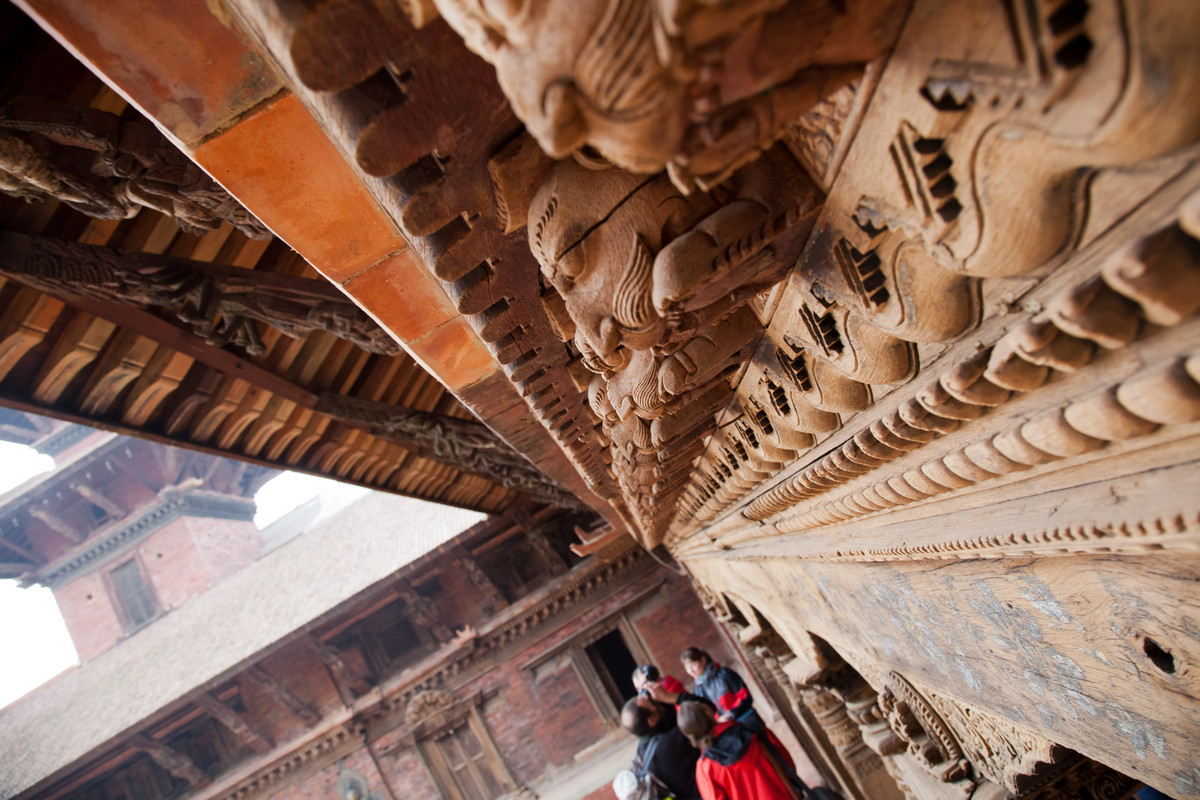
[{"x": 206, "y": 639}]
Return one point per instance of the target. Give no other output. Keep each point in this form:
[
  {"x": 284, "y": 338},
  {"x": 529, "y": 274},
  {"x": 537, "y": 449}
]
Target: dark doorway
[{"x": 615, "y": 664}]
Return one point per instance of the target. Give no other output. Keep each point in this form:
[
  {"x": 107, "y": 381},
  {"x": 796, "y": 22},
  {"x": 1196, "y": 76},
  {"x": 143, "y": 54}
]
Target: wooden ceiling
[{"x": 319, "y": 403}]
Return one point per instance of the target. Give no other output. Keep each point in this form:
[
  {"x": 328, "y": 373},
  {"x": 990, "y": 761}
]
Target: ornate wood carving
[
  {"x": 428, "y": 705},
  {"x": 1000, "y": 750},
  {"x": 652, "y": 288},
  {"x": 930, "y": 741},
  {"x": 454, "y": 185},
  {"x": 315, "y": 755},
  {"x": 108, "y": 168},
  {"x": 696, "y": 87},
  {"x": 1102, "y": 311},
  {"x": 466, "y": 444},
  {"x": 419, "y": 694},
  {"x": 219, "y": 303}
]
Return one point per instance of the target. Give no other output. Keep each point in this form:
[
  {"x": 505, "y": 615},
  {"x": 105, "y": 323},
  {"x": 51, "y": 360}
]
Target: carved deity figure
[
  {"x": 107, "y": 168},
  {"x": 700, "y": 86}
]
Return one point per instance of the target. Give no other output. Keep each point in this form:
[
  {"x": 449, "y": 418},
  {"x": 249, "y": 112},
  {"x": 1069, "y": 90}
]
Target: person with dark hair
[
  {"x": 723, "y": 687},
  {"x": 738, "y": 762},
  {"x": 648, "y": 673},
  {"x": 662, "y": 752}
]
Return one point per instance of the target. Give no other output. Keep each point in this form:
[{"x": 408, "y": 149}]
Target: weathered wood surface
[{"x": 1093, "y": 652}]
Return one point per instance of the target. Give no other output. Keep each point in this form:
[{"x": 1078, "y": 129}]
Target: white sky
[{"x": 34, "y": 643}]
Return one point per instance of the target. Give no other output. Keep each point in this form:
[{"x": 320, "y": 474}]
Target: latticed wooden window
[{"x": 135, "y": 597}]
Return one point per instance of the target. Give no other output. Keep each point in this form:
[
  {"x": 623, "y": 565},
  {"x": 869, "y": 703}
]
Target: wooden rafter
[
  {"x": 283, "y": 695},
  {"x": 238, "y": 724}
]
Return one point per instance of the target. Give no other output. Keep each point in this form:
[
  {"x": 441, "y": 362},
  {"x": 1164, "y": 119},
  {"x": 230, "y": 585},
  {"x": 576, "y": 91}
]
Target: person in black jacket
[{"x": 662, "y": 750}]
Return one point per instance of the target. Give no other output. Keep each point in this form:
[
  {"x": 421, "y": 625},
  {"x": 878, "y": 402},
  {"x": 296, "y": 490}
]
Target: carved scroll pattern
[
  {"x": 929, "y": 740},
  {"x": 1157, "y": 281},
  {"x": 889, "y": 266},
  {"x": 1002, "y": 751},
  {"x": 108, "y": 168}
]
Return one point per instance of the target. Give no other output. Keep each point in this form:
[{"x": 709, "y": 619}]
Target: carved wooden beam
[
  {"x": 283, "y": 695},
  {"x": 238, "y": 724},
  {"x": 97, "y": 499},
  {"x": 219, "y": 303},
  {"x": 467, "y": 563},
  {"x": 424, "y": 612},
  {"x": 172, "y": 761},
  {"x": 469, "y": 445},
  {"x": 535, "y": 534},
  {"x": 13, "y": 547},
  {"x": 109, "y": 168},
  {"x": 344, "y": 678},
  {"x": 70, "y": 532}
]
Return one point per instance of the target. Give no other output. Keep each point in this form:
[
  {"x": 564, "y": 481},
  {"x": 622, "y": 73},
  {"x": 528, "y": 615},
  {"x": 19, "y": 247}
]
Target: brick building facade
[{"x": 387, "y": 645}]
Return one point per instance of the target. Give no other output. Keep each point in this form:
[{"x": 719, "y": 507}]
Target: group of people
[{"x": 706, "y": 744}]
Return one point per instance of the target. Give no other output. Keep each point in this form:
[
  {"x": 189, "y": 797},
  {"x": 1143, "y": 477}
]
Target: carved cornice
[
  {"x": 304, "y": 761},
  {"x": 58, "y": 442},
  {"x": 903, "y": 270},
  {"x": 171, "y": 506},
  {"x": 1136, "y": 536},
  {"x": 1137, "y": 294}
]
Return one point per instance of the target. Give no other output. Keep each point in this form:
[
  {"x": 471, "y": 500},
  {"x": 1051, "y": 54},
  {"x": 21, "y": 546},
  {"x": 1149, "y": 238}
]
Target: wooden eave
[{"x": 142, "y": 373}]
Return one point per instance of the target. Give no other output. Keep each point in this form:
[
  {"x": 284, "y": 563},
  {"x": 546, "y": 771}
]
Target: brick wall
[
  {"x": 225, "y": 545},
  {"x": 89, "y": 614}
]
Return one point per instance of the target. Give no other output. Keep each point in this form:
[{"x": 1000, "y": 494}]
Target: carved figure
[
  {"x": 109, "y": 169},
  {"x": 222, "y": 304},
  {"x": 697, "y": 86},
  {"x": 927, "y": 737}
]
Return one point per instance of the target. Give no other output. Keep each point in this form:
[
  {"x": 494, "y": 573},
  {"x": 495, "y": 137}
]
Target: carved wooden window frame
[{"x": 469, "y": 712}]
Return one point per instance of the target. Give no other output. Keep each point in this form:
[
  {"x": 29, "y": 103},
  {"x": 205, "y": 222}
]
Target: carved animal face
[
  {"x": 596, "y": 234},
  {"x": 580, "y": 71}
]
